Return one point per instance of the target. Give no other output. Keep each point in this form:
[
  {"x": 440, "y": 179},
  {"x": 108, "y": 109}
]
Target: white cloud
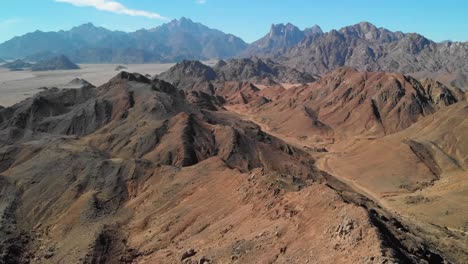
[
  {"x": 114, "y": 7},
  {"x": 201, "y": 2}
]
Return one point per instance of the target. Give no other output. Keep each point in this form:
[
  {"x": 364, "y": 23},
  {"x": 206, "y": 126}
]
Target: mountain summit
[{"x": 280, "y": 38}]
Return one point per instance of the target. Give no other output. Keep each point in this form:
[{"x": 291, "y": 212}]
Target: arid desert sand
[{"x": 19, "y": 85}]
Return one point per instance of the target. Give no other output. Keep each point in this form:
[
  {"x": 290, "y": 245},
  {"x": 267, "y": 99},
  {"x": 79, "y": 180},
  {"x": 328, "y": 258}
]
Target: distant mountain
[
  {"x": 41, "y": 56},
  {"x": 174, "y": 41},
  {"x": 17, "y": 65},
  {"x": 56, "y": 63},
  {"x": 185, "y": 39},
  {"x": 362, "y": 46},
  {"x": 368, "y": 48}
]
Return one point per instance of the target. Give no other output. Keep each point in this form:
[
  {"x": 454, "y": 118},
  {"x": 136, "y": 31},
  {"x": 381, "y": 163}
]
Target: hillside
[{"x": 347, "y": 103}]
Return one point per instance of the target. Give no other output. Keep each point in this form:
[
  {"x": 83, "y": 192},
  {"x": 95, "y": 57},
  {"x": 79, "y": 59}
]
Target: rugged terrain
[
  {"x": 397, "y": 140},
  {"x": 140, "y": 171},
  {"x": 304, "y": 146}
]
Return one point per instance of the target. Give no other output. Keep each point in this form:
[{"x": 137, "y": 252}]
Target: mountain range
[
  {"x": 173, "y": 41},
  {"x": 362, "y": 46},
  {"x": 368, "y": 48}
]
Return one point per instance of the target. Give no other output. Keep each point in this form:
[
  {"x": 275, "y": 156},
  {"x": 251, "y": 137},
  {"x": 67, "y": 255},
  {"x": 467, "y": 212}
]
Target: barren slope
[
  {"x": 132, "y": 172},
  {"x": 348, "y": 103}
]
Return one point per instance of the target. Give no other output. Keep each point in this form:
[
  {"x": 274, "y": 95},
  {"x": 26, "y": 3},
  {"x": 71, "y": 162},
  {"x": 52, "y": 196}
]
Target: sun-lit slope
[
  {"x": 420, "y": 172},
  {"x": 347, "y": 103},
  {"x": 411, "y": 159},
  {"x": 230, "y": 217}
]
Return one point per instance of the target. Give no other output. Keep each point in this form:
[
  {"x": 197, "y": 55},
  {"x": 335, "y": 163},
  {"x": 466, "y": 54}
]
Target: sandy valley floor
[{"x": 19, "y": 85}]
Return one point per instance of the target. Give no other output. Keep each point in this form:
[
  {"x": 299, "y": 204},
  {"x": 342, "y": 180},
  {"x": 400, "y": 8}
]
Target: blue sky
[{"x": 248, "y": 19}]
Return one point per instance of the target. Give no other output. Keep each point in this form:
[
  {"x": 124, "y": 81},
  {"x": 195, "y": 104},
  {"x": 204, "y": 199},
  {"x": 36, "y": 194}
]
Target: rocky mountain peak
[
  {"x": 124, "y": 76},
  {"x": 195, "y": 68},
  {"x": 314, "y": 30},
  {"x": 188, "y": 72},
  {"x": 363, "y": 30},
  {"x": 182, "y": 22},
  {"x": 285, "y": 30},
  {"x": 87, "y": 27},
  {"x": 366, "y": 26}
]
